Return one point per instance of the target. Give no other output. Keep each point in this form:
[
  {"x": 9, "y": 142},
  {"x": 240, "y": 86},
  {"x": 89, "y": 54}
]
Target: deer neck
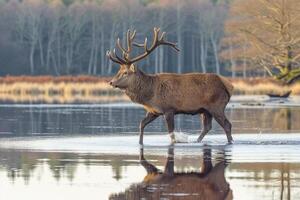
[{"x": 141, "y": 88}]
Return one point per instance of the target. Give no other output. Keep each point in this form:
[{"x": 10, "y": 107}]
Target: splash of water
[{"x": 181, "y": 137}]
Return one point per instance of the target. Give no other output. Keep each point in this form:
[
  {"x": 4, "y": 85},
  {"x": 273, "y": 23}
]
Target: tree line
[
  {"x": 230, "y": 37},
  {"x": 62, "y": 37}
]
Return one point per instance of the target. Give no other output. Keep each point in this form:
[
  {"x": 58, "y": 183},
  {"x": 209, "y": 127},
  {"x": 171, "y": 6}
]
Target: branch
[{"x": 258, "y": 39}]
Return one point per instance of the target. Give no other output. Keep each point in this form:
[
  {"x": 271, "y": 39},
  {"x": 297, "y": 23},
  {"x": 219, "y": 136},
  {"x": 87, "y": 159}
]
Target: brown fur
[
  {"x": 186, "y": 93},
  {"x": 170, "y": 94},
  {"x": 227, "y": 84}
]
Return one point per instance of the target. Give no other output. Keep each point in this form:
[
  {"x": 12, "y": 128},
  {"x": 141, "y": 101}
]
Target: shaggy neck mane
[{"x": 140, "y": 90}]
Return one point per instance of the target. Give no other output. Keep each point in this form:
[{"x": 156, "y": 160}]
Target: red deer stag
[{"x": 170, "y": 94}]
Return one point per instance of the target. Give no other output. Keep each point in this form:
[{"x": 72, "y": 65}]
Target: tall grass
[
  {"x": 58, "y": 89},
  {"x": 70, "y": 89},
  {"x": 262, "y": 86}
]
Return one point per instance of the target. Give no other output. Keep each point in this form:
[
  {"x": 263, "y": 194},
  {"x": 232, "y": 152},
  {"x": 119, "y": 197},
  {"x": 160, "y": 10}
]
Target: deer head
[{"x": 128, "y": 72}]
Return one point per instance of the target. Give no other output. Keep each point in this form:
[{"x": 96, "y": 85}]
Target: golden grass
[
  {"x": 70, "y": 89},
  {"x": 262, "y": 86},
  {"x": 54, "y": 79},
  {"x": 58, "y": 90}
]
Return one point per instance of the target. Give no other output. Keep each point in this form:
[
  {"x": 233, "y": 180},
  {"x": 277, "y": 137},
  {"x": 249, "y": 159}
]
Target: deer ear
[{"x": 132, "y": 68}]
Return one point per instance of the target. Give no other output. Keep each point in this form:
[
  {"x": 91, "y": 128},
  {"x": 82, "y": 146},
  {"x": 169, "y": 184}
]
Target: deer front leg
[
  {"x": 151, "y": 169},
  {"x": 149, "y": 118},
  {"x": 169, "y": 116}
]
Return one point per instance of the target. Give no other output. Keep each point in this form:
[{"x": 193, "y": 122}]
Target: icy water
[{"x": 91, "y": 151}]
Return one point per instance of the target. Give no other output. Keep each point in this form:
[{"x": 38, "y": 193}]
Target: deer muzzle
[{"x": 113, "y": 83}]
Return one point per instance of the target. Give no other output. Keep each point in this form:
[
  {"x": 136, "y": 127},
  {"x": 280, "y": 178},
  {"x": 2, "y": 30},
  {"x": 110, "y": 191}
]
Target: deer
[
  {"x": 169, "y": 94},
  {"x": 208, "y": 182}
]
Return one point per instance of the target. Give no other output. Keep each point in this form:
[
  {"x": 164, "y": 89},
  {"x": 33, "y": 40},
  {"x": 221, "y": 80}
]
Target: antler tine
[
  {"x": 145, "y": 44},
  {"x": 140, "y": 45},
  {"x": 155, "y": 29},
  {"x": 120, "y": 46},
  {"x": 111, "y": 57},
  {"x": 119, "y": 58},
  {"x": 128, "y": 41},
  {"x": 174, "y": 45},
  {"x": 162, "y": 41},
  {"x": 155, "y": 38},
  {"x": 133, "y": 35},
  {"x": 130, "y": 38},
  {"x": 107, "y": 53},
  {"x": 162, "y": 36},
  {"x": 156, "y": 33}
]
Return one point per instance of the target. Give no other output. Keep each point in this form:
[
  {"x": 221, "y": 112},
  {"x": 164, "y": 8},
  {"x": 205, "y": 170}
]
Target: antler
[
  {"x": 125, "y": 52},
  {"x": 157, "y": 40}
]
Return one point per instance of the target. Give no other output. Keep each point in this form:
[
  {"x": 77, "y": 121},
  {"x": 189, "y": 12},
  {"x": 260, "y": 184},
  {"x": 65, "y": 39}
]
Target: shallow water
[
  {"x": 248, "y": 115},
  {"x": 91, "y": 151}
]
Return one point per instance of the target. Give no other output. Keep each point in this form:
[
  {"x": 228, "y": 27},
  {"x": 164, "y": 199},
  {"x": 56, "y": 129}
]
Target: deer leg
[
  {"x": 149, "y": 118},
  {"x": 206, "y": 165},
  {"x": 169, "y": 116},
  {"x": 148, "y": 166},
  {"x": 226, "y": 125},
  {"x": 206, "y": 122},
  {"x": 169, "y": 166}
]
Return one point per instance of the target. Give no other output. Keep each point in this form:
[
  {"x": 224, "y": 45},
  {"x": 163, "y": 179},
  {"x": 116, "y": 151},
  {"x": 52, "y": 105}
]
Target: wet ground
[{"x": 91, "y": 151}]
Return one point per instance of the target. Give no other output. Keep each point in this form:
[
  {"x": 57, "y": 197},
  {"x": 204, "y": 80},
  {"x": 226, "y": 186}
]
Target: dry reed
[
  {"x": 66, "y": 89},
  {"x": 262, "y": 86},
  {"x": 70, "y": 89}
]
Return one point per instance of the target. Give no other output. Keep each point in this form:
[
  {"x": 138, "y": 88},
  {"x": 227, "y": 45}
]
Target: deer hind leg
[
  {"x": 206, "y": 122},
  {"x": 169, "y": 166},
  {"x": 169, "y": 116},
  {"x": 224, "y": 122},
  {"x": 149, "y": 118}
]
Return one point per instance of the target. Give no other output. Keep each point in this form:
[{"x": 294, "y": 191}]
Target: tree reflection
[{"x": 184, "y": 177}]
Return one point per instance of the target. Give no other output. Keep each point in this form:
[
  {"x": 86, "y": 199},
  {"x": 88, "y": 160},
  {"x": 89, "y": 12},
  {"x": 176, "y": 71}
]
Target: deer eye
[{"x": 125, "y": 73}]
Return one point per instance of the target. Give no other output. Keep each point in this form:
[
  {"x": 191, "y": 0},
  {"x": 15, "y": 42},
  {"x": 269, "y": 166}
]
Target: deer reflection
[{"x": 208, "y": 183}]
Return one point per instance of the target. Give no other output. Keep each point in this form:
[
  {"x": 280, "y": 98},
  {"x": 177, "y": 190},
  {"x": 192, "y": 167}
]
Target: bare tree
[
  {"x": 268, "y": 36},
  {"x": 75, "y": 21},
  {"x": 29, "y": 28}
]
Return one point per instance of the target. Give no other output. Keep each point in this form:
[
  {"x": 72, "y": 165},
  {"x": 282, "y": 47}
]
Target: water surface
[{"x": 91, "y": 151}]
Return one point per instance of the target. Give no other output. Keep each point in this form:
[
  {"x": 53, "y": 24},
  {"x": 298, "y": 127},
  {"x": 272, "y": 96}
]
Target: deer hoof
[
  {"x": 230, "y": 142},
  {"x": 173, "y": 140}
]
